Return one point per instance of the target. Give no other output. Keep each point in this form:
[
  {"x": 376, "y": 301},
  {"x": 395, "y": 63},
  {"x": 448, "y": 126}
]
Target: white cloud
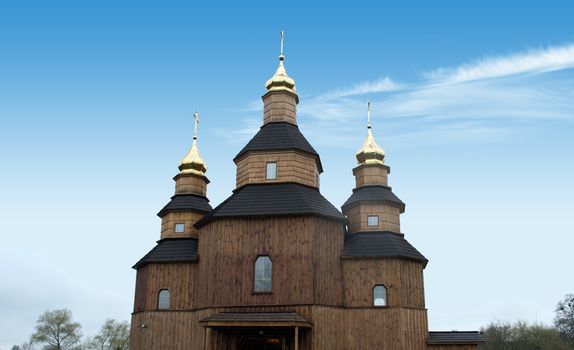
[
  {"x": 532, "y": 61},
  {"x": 239, "y": 134},
  {"x": 462, "y": 101},
  {"x": 366, "y": 87},
  {"x": 450, "y": 104}
]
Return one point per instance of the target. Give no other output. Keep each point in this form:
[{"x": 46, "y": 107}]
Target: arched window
[
  {"x": 263, "y": 274},
  {"x": 163, "y": 302},
  {"x": 380, "y": 295}
]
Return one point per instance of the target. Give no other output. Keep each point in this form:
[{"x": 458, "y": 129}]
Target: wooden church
[{"x": 276, "y": 266}]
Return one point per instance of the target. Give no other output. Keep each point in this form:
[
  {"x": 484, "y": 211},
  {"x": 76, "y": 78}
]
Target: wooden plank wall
[
  {"x": 305, "y": 253},
  {"x": 279, "y": 106},
  {"x": 173, "y": 330},
  {"x": 369, "y": 328},
  {"x": 141, "y": 293},
  {"x": 389, "y": 218},
  {"x": 403, "y": 279},
  {"x": 452, "y": 347},
  {"x": 334, "y": 328},
  {"x": 370, "y": 175},
  {"x": 308, "y": 278},
  {"x": 178, "y": 278},
  {"x": 188, "y": 218},
  {"x": 191, "y": 183},
  {"x": 291, "y": 167}
]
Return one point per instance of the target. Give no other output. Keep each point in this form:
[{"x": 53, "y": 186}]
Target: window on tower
[
  {"x": 271, "y": 173},
  {"x": 380, "y": 295},
  {"x": 373, "y": 220},
  {"x": 179, "y": 228},
  {"x": 263, "y": 282},
  {"x": 163, "y": 300}
]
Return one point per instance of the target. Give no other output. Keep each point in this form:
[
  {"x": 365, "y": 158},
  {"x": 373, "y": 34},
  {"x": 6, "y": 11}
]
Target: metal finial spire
[
  {"x": 281, "y": 56},
  {"x": 196, "y": 123},
  {"x": 369, "y": 114},
  {"x": 370, "y": 152},
  {"x": 280, "y": 81},
  {"x": 192, "y": 163}
]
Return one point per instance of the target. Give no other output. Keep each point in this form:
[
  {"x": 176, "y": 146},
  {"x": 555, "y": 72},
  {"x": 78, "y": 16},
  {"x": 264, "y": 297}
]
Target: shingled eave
[
  {"x": 279, "y": 136},
  {"x": 373, "y": 194},
  {"x": 455, "y": 338},
  {"x": 274, "y": 199},
  {"x": 380, "y": 245},
  {"x": 164, "y": 252},
  {"x": 186, "y": 202}
]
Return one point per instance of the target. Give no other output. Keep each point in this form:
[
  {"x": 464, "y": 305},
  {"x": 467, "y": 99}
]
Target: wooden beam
[{"x": 296, "y": 338}]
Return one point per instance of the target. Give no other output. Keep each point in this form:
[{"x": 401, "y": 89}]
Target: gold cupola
[
  {"x": 280, "y": 100},
  {"x": 370, "y": 152},
  {"x": 280, "y": 81},
  {"x": 192, "y": 163}
]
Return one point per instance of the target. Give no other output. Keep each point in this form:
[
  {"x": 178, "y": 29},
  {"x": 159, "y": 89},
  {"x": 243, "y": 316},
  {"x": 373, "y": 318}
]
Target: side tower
[
  {"x": 382, "y": 271},
  {"x": 167, "y": 275}
]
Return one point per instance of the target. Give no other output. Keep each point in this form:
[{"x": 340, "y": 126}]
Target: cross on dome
[
  {"x": 370, "y": 152},
  {"x": 192, "y": 163}
]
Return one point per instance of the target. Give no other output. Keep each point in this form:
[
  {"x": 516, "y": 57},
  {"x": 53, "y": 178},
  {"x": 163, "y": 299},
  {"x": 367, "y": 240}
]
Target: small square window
[
  {"x": 179, "y": 228},
  {"x": 271, "y": 173},
  {"x": 372, "y": 221}
]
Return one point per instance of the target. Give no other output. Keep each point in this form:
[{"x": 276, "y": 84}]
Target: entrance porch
[{"x": 256, "y": 331}]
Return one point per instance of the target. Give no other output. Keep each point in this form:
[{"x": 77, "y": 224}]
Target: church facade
[{"x": 276, "y": 266}]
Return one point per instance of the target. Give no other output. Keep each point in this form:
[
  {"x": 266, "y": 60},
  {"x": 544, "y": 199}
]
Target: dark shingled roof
[
  {"x": 171, "y": 250},
  {"x": 184, "y": 202},
  {"x": 278, "y": 199},
  {"x": 455, "y": 337},
  {"x": 373, "y": 194},
  {"x": 256, "y": 317},
  {"x": 380, "y": 244},
  {"x": 279, "y": 136}
]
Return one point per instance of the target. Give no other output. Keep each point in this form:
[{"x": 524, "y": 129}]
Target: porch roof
[{"x": 256, "y": 319}]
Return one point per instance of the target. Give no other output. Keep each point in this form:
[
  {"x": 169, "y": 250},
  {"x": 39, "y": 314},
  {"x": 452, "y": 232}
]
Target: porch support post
[
  {"x": 296, "y": 337},
  {"x": 207, "y": 344}
]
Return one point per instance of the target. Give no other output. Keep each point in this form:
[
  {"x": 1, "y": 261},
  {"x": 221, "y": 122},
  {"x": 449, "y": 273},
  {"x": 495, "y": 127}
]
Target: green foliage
[
  {"x": 564, "y": 320},
  {"x": 113, "y": 335},
  {"x": 522, "y": 336},
  {"x": 56, "y": 331}
]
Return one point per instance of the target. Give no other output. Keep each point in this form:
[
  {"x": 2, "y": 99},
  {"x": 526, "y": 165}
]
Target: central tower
[{"x": 279, "y": 153}]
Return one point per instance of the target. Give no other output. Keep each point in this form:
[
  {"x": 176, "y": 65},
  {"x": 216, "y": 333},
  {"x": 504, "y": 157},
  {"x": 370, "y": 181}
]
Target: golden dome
[
  {"x": 280, "y": 81},
  {"x": 370, "y": 152},
  {"x": 192, "y": 163}
]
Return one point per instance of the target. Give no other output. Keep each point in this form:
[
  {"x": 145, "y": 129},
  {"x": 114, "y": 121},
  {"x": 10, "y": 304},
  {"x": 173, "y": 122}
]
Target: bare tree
[
  {"x": 521, "y": 336},
  {"x": 564, "y": 320},
  {"x": 56, "y": 330},
  {"x": 113, "y": 335}
]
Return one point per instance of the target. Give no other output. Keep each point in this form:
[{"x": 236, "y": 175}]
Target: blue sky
[{"x": 472, "y": 101}]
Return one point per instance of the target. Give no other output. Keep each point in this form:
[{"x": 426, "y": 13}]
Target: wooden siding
[
  {"x": 291, "y": 167},
  {"x": 389, "y": 218},
  {"x": 141, "y": 293},
  {"x": 173, "y": 330},
  {"x": 178, "y": 278},
  {"x": 194, "y": 184},
  {"x": 403, "y": 279},
  {"x": 371, "y": 175},
  {"x": 334, "y": 328},
  {"x": 304, "y": 251},
  {"x": 279, "y": 107},
  {"x": 452, "y": 347},
  {"x": 188, "y": 218}
]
